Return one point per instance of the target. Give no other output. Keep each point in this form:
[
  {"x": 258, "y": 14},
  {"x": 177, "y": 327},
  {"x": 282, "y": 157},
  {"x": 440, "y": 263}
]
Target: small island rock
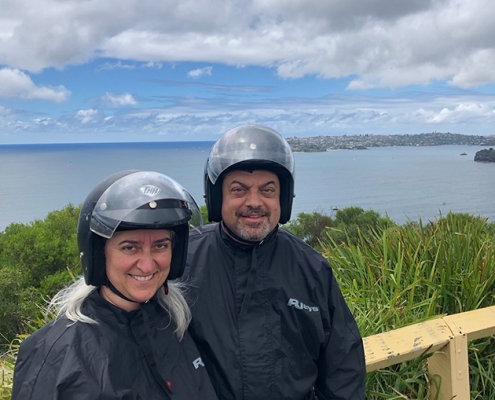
[{"x": 485, "y": 155}]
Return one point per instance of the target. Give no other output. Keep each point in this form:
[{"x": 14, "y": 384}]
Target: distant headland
[{"x": 362, "y": 142}]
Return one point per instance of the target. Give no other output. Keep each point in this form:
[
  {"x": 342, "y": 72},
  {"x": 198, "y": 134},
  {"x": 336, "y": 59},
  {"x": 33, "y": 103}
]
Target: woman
[{"x": 121, "y": 331}]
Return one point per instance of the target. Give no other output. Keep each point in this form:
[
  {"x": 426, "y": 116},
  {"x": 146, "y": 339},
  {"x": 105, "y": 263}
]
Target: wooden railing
[{"x": 447, "y": 338}]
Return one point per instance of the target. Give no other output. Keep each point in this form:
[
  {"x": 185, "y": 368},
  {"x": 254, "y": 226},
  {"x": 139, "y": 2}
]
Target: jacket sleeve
[
  {"x": 341, "y": 365},
  {"x": 54, "y": 375}
]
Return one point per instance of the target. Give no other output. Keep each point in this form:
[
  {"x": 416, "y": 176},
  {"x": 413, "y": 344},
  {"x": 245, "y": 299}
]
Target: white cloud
[
  {"x": 4, "y": 111},
  {"x": 152, "y": 64},
  {"x": 441, "y": 116},
  {"x": 125, "y": 99},
  {"x": 200, "y": 119},
  {"x": 108, "y": 66},
  {"x": 373, "y": 45},
  {"x": 476, "y": 71},
  {"x": 197, "y": 73},
  {"x": 415, "y": 41},
  {"x": 87, "y": 116},
  {"x": 16, "y": 84}
]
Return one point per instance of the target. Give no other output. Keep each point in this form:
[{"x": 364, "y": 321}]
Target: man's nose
[{"x": 254, "y": 198}]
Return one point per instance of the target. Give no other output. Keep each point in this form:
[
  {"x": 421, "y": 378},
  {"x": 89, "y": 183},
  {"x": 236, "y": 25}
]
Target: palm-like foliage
[{"x": 400, "y": 275}]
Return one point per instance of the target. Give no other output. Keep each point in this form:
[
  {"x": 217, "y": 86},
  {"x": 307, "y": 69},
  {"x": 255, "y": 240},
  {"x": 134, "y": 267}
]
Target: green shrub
[
  {"x": 34, "y": 262},
  {"x": 311, "y": 227},
  {"x": 349, "y": 225},
  {"x": 42, "y": 247}
]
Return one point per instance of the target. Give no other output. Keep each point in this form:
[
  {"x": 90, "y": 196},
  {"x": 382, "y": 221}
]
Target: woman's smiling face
[{"x": 137, "y": 264}]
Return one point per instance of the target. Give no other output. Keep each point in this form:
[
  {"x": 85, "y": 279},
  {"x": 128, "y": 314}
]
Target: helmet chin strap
[{"x": 116, "y": 291}]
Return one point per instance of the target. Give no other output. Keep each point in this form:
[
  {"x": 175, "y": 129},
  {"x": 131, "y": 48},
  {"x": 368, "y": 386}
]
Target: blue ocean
[{"x": 407, "y": 183}]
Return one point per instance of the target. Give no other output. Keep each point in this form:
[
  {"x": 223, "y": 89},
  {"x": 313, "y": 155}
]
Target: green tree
[
  {"x": 349, "y": 224},
  {"x": 43, "y": 247},
  {"x": 35, "y": 260},
  {"x": 311, "y": 227},
  {"x": 353, "y": 222},
  {"x": 204, "y": 215}
]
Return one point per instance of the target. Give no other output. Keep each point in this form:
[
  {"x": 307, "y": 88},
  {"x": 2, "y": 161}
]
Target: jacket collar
[{"x": 98, "y": 307}]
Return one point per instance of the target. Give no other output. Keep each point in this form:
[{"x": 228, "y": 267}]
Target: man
[{"x": 269, "y": 318}]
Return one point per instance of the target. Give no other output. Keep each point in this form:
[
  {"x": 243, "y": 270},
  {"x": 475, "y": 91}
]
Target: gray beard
[{"x": 255, "y": 237}]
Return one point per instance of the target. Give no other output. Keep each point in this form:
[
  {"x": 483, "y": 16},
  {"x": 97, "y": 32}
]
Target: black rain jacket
[
  {"x": 270, "y": 320},
  {"x": 127, "y": 355}
]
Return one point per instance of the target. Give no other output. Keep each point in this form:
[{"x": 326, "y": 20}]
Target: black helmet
[
  {"x": 134, "y": 200},
  {"x": 249, "y": 147}
]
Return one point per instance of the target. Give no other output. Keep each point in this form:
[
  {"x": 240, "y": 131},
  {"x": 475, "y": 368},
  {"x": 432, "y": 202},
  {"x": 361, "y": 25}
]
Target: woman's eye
[{"x": 163, "y": 246}]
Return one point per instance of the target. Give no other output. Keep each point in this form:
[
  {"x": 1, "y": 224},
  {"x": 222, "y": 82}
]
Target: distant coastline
[
  {"x": 362, "y": 142},
  {"x": 312, "y": 144}
]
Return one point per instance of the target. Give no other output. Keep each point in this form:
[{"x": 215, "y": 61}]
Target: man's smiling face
[{"x": 251, "y": 203}]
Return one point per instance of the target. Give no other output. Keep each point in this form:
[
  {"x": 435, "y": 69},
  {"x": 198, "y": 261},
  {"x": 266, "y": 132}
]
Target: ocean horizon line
[{"x": 104, "y": 143}]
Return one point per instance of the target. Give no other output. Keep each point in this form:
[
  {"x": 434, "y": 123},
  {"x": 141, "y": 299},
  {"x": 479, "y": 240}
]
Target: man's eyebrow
[
  {"x": 269, "y": 183},
  {"x": 236, "y": 182}
]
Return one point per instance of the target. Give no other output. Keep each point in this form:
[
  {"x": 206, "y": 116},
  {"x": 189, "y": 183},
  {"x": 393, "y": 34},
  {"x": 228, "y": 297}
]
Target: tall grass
[
  {"x": 6, "y": 370},
  {"x": 406, "y": 274},
  {"x": 7, "y": 361},
  {"x": 8, "y": 358}
]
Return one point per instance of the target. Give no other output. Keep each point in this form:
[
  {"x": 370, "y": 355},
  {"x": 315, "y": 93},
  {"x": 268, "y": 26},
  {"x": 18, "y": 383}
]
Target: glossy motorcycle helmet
[
  {"x": 131, "y": 200},
  {"x": 249, "y": 147}
]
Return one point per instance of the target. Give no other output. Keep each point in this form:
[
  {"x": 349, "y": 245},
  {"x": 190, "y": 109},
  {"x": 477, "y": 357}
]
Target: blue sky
[{"x": 149, "y": 70}]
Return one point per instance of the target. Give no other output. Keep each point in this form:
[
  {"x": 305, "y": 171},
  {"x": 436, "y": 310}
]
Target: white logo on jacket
[
  {"x": 198, "y": 362},
  {"x": 301, "y": 306}
]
